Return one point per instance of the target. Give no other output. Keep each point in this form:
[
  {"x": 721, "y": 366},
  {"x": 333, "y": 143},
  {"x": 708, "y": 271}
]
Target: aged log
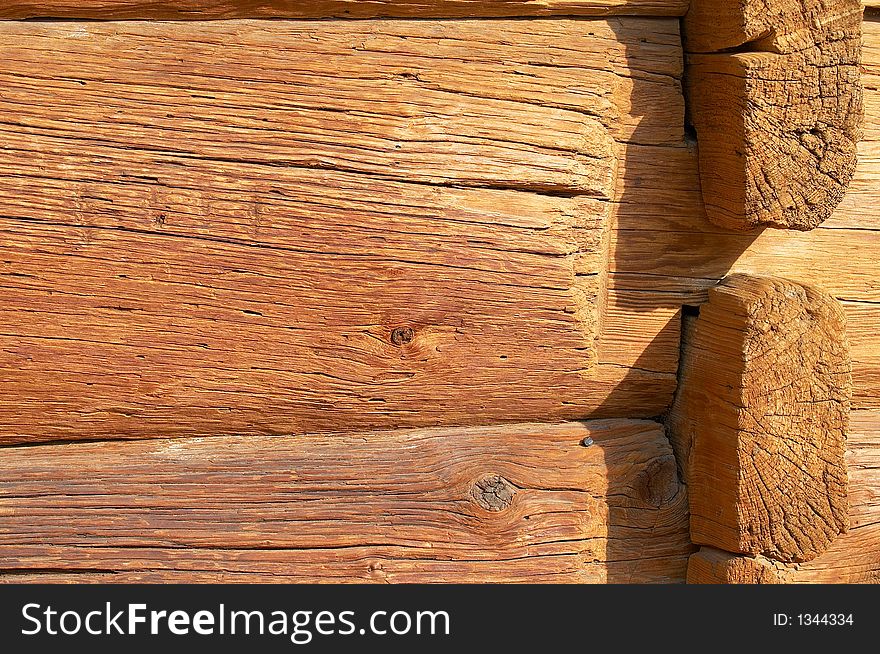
[
  {"x": 517, "y": 503},
  {"x": 760, "y": 419},
  {"x": 712, "y": 566},
  {"x": 853, "y": 558},
  {"x": 209, "y": 253},
  {"x": 163, "y": 95},
  {"x": 213, "y": 9},
  {"x": 666, "y": 252},
  {"x": 778, "y": 119}
]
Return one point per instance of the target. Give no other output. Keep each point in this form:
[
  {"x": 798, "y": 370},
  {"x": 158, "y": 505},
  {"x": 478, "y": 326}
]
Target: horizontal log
[
  {"x": 165, "y": 322},
  {"x": 514, "y": 504},
  {"x": 160, "y": 92},
  {"x": 714, "y": 566},
  {"x": 213, "y": 9},
  {"x": 306, "y": 78}
]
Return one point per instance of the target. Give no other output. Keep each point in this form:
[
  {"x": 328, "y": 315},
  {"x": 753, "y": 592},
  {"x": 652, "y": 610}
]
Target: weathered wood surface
[
  {"x": 213, "y": 9},
  {"x": 780, "y": 26},
  {"x": 147, "y": 333},
  {"x": 665, "y": 250},
  {"x": 244, "y": 251},
  {"x": 517, "y": 503},
  {"x": 760, "y": 419},
  {"x": 853, "y": 558},
  {"x": 777, "y": 107},
  {"x": 714, "y": 566},
  {"x": 164, "y": 92},
  {"x": 664, "y": 253}
]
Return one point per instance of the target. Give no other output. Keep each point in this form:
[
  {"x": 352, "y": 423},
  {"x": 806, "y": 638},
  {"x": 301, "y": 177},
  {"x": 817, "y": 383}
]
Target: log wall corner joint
[
  {"x": 775, "y": 97},
  {"x": 759, "y": 427}
]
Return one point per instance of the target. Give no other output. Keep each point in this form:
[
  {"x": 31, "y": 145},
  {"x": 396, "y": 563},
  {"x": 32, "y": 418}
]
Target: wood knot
[
  {"x": 493, "y": 493},
  {"x": 658, "y": 482},
  {"x": 402, "y": 335}
]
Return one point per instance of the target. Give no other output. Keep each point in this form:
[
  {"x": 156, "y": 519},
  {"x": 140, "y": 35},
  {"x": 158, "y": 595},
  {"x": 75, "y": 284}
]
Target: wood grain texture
[
  {"x": 514, "y": 504},
  {"x": 236, "y": 243},
  {"x": 853, "y": 558},
  {"x": 781, "y": 26},
  {"x": 197, "y": 335},
  {"x": 778, "y": 119},
  {"x": 213, "y": 9},
  {"x": 163, "y": 91},
  {"x": 665, "y": 250},
  {"x": 760, "y": 419},
  {"x": 713, "y": 566}
]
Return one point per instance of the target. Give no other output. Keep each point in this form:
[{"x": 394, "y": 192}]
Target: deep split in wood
[
  {"x": 775, "y": 96},
  {"x": 760, "y": 420}
]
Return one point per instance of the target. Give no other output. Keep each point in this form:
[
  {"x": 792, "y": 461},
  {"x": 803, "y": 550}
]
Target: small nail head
[{"x": 587, "y": 442}]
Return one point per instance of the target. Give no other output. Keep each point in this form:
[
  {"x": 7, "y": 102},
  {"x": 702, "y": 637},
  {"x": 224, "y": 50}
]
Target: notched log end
[
  {"x": 761, "y": 419},
  {"x": 711, "y": 566},
  {"x": 778, "y": 120},
  {"x": 770, "y": 25}
]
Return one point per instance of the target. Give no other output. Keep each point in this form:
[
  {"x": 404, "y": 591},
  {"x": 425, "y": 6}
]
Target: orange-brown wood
[
  {"x": 521, "y": 503},
  {"x": 213, "y": 9},
  {"x": 350, "y": 222}
]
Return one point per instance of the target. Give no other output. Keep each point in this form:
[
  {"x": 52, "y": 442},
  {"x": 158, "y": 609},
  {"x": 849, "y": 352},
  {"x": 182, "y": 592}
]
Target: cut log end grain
[
  {"x": 778, "y": 120},
  {"x": 852, "y": 558},
  {"x": 711, "y": 566},
  {"x": 760, "y": 419}
]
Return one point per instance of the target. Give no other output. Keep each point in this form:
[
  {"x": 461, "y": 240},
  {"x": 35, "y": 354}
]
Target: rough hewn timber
[
  {"x": 239, "y": 248},
  {"x": 666, "y": 252},
  {"x": 853, "y": 558},
  {"x": 760, "y": 419},
  {"x": 712, "y": 566},
  {"x": 521, "y": 503},
  {"x": 213, "y": 9},
  {"x": 778, "y": 118}
]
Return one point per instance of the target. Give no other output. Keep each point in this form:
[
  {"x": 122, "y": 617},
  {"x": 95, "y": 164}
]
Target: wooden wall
[
  {"x": 363, "y": 224},
  {"x": 243, "y": 255},
  {"x": 213, "y": 9}
]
